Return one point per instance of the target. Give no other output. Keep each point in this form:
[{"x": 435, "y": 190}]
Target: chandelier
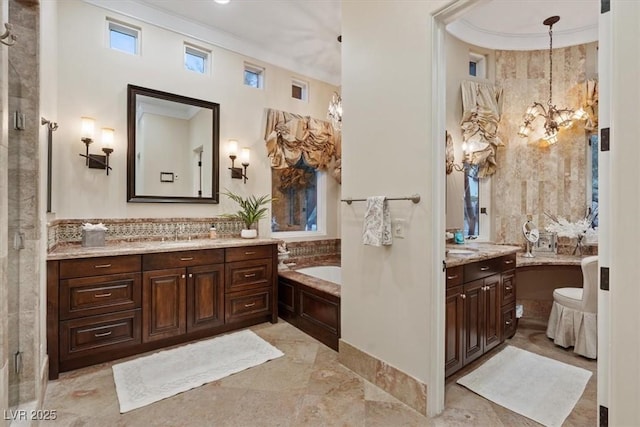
[
  {"x": 335, "y": 111},
  {"x": 554, "y": 119}
]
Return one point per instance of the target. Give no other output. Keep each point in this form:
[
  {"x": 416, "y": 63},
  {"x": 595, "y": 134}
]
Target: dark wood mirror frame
[{"x": 132, "y": 93}]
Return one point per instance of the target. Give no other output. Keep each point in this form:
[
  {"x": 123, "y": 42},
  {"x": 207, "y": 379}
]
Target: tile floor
[{"x": 306, "y": 387}]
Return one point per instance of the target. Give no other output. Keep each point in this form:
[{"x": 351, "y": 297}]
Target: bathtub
[
  {"x": 329, "y": 273},
  {"x": 312, "y": 305}
]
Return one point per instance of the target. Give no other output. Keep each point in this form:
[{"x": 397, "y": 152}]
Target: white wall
[
  {"x": 386, "y": 81},
  {"x": 92, "y": 81},
  {"x": 625, "y": 210}
]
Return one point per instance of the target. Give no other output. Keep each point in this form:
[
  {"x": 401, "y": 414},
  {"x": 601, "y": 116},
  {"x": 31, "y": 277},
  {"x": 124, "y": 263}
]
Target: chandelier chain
[{"x": 550, "y": 63}]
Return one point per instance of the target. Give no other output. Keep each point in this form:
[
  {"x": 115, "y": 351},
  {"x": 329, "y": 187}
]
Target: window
[
  {"x": 253, "y": 76},
  {"x": 477, "y": 65},
  {"x": 123, "y": 37},
  {"x": 592, "y": 178},
  {"x": 299, "y": 90},
  {"x": 297, "y": 206},
  {"x": 196, "y": 59},
  {"x": 471, "y": 201}
]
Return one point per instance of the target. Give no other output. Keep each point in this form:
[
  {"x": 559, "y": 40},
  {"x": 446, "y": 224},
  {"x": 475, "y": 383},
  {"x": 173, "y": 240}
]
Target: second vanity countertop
[
  {"x": 478, "y": 251},
  {"x": 152, "y": 246}
]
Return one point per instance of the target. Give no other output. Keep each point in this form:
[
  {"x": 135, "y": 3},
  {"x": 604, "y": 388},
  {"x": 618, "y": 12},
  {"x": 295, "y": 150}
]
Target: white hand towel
[{"x": 377, "y": 222}]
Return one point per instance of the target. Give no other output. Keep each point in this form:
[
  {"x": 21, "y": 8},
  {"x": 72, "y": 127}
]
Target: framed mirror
[{"x": 173, "y": 147}]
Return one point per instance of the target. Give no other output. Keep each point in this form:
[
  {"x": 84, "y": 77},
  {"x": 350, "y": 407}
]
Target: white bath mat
[
  {"x": 148, "y": 379},
  {"x": 537, "y": 387}
]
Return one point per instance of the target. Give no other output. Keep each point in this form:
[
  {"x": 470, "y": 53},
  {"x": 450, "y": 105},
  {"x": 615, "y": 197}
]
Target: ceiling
[{"x": 300, "y": 35}]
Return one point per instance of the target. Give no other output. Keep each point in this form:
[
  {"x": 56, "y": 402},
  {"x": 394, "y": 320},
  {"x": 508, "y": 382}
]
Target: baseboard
[{"x": 400, "y": 385}]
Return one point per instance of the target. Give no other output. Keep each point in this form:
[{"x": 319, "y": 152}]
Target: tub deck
[{"x": 310, "y": 304}]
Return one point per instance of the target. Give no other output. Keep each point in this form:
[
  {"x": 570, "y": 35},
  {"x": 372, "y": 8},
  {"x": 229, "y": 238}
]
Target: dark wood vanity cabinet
[
  {"x": 479, "y": 309},
  {"x": 184, "y": 298},
  {"x": 104, "y": 308}
]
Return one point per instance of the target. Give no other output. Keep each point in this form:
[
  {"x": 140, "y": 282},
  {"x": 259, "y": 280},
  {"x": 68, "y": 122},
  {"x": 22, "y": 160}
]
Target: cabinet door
[
  {"x": 163, "y": 304},
  {"x": 454, "y": 308},
  {"x": 205, "y": 297},
  {"x": 492, "y": 324},
  {"x": 474, "y": 307}
]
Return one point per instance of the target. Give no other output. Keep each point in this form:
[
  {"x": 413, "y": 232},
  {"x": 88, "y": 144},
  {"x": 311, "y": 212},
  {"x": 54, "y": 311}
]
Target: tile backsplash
[{"x": 65, "y": 231}]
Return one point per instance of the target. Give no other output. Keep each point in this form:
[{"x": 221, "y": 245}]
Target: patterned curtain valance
[
  {"x": 291, "y": 137},
  {"x": 482, "y": 108}
]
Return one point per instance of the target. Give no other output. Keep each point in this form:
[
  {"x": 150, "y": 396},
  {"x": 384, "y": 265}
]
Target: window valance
[
  {"x": 482, "y": 108},
  {"x": 291, "y": 137}
]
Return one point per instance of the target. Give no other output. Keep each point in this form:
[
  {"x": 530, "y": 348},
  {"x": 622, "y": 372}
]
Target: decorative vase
[{"x": 248, "y": 233}]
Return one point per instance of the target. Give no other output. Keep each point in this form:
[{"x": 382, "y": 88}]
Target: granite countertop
[
  {"x": 131, "y": 248},
  {"x": 313, "y": 282},
  {"x": 477, "y": 251},
  {"x": 547, "y": 258}
]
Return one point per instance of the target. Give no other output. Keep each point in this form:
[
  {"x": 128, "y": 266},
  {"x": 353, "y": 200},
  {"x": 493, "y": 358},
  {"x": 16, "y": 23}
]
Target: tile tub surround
[
  {"x": 63, "y": 231},
  {"x": 313, "y": 252}
]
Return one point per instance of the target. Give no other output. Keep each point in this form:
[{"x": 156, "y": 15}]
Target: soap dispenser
[{"x": 213, "y": 234}]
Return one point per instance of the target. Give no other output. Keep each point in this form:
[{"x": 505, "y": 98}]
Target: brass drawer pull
[
  {"x": 250, "y": 275},
  {"x": 509, "y": 261},
  {"x": 190, "y": 258},
  {"x": 485, "y": 268},
  {"x": 250, "y": 253},
  {"x": 102, "y": 266},
  {"x": 508, "y": 288},
  {"x": 249, "y": 305},
  {"x": 463, "y": 296},
  {"x": 108, "y": 294},
  {"x": 455, "y": 276},
  {"x": 104, "y": 334},
  {"x": 508, "y": 322}
]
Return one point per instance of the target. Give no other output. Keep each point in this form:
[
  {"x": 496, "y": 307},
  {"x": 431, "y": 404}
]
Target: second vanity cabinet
[
  {"x": 479, "y": 309},
  {"x": 104, "y": 308}
]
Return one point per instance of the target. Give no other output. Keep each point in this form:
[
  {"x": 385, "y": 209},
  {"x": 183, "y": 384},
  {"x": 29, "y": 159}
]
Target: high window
[
  {"x": 477, "y": 65},
  {"x": 299, "y": 90},
  {"x": 253, "y": 76},
  {"x": 123, "y": 37},
  {"x": 196, "y": 59}
]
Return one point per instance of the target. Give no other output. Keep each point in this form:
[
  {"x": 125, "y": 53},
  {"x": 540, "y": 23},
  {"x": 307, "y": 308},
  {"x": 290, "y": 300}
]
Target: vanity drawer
[
  {"x": 247, "y": 304},
  {"x": 99, "y": 334},
  {"x": 248, "y": 274},
  {"x": 509, "y": 321},
  {"x": 83, "y": 267},
  {"x": 161, "y": 261},
  {"x": 454, "y": 276},
  {"x": 89, "y": 296},
  {"x": 480, "y": 269},
  {"x": 248, "y": 252},
  {"x": 508, "y": 262},
  {"x": 508, "y": 288}
]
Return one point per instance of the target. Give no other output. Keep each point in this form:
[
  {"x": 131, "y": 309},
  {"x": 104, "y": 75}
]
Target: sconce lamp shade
[
  {"x": 107, "y": 137},
  {"x": 232, "y": 147},
  {"x": 245, "y": 156},
  {"x": 87, "y": 126}
]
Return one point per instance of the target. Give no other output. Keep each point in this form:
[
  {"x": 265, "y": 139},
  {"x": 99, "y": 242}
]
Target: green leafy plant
[{"x": 252, "y": 208}]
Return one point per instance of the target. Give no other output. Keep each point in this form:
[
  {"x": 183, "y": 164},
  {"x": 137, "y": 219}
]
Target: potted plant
[{"x": 252, "y": 209}]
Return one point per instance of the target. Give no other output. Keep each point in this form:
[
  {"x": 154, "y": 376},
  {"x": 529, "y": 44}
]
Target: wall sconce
[
  {"x": 96, "y": 161},
  {"x": 245, "y": 155}
]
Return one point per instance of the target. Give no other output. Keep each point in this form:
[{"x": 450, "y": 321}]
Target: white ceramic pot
[{"x": 248, "y": 234}]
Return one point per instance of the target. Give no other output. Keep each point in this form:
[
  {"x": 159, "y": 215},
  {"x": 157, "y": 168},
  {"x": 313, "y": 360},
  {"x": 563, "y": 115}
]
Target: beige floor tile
[{"x": 306, "y": 387}]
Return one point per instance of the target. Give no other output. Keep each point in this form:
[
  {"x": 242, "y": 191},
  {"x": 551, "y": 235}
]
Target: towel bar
[{"x": 415, "y": 198}]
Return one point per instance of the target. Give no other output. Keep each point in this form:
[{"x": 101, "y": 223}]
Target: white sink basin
[{"x": 461, "y": 251}]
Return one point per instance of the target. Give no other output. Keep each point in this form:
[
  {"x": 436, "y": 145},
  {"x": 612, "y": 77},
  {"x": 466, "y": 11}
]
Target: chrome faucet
[{"x": 177, "y": 232}]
